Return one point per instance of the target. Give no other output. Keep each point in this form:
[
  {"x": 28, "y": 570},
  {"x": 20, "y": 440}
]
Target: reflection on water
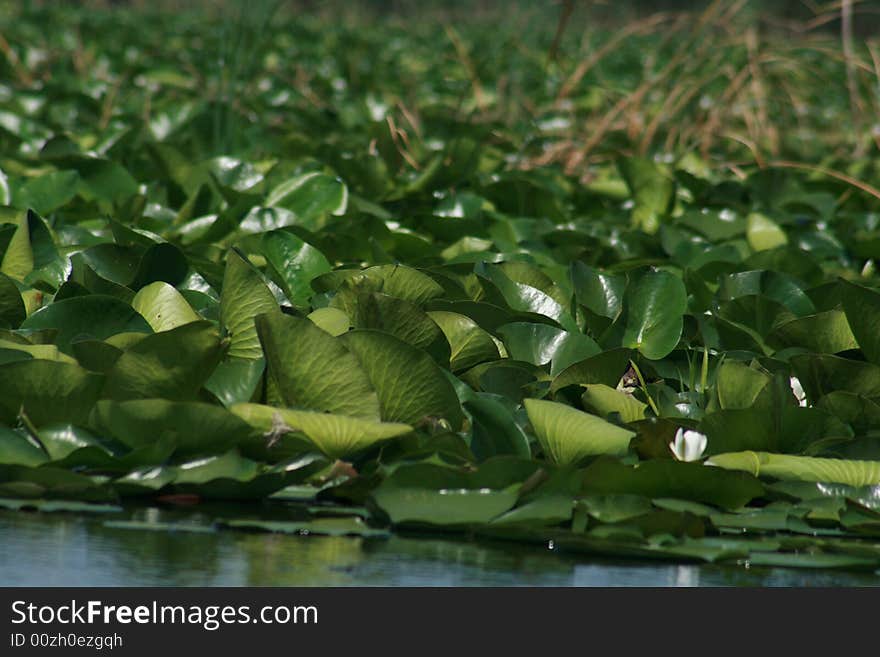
[{"x": 67, "y": 550}]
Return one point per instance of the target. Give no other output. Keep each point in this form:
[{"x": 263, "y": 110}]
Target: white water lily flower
[
  {"x": 688, "y": 445},
  {"x": 798, "y": 390}
]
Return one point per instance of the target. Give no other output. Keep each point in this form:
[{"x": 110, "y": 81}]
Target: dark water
[{"x": 41, "y": 549}]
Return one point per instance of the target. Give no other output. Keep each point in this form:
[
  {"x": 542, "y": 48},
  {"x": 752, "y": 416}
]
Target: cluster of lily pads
[{"x": 664, "y": 362}]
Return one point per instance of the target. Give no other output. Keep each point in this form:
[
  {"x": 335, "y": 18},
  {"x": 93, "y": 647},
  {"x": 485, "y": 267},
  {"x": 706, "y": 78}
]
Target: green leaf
[
  {"x": 469, "y": 344},
  {"x": 790, "y": 429},
  {"x": 48, "y": 192},
  {"x": 604, "y": 400},
  {"x": 568, "y": 435},
  {"x": 801, "y": 468},
  {"x": 17, "y": 448},
  {"x": 310, "y": 198},
  {"x": 163, "y": 307},
  {"x": 190, "y": 428},
  {"x": 12, "y": 310},
  {"x": 525, "y": 298},
  {"x": 862, "y": 308},
  {"x": 738, "y": 385},
  {"x": 540, "y": 344},
  {"x": 332, "y": 320},
  {"x": 236, "y": 380},
  {"x": 432, "y": 495},
  {"x": 402, "y": 319},
  {"x": 394, "y": 280},
  {"x": 667, "y": 478},
  {"x": 173, "y": 364},
  {"x": 653, "y": 192},
  {"x": 313, "y": 369},
  {"x": 411, "y": 387},
  {"x": 494, "y": 430},
  {"x": 655, "y": 310},
  {"x": 18, "y": 259},
  {"x": 825, "y": 333},
  {"x": 337, "y": 436},
  {"x": 48, "y": 391},
  {"x": 606, "y": 368},
  {"x": 295, "y": 263},
  {"x": 244, "y": 296},
  {"x": 821, "y": 374},
  {"x": 763, "y": 233},
  {"x": 600, "y": 293},
  {"x": 316, "y": 527},
  {"x": 94, "y": 316}
]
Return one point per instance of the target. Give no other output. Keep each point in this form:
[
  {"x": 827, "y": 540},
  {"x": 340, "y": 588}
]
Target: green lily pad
[{"x": 568, "y": 435}]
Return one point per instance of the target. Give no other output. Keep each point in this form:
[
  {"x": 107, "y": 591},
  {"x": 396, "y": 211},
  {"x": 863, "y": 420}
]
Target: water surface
[{"x": 42, "y": 549}]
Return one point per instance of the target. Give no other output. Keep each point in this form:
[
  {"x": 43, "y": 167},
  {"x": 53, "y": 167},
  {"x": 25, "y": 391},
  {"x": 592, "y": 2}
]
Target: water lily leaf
[
  {"x": 48, "y": 192},
  {"x": 826, "y": 333},
  {"x": 600, "y": 293},
  {"x": 818, "y": 560},
  {"x": 18, "y": 259},
  {"x": 469, "y": 344},
  {"x": 666, "y": 478},
  {"x": 59, "y": 506},
  {"x": 295, "y": 263},
  {"x": 5, "y": 195},
  {"x": 70, "y": 446},
  {"x": 615, "y": 508},
  {"x": 94, "y": 316},
  {"x": 101, "y": 179},
  {"x": 192, "y": 428},
  {"x": 95, "y": 355},
  {"x": 314, "y": 370},
  {"x": 494, "y": 430},
  {"x": 655, "y": 309},
  {"x": 776, "y": 285},
  {"x": 48, "y": 391},
  {"x": 316, "y": 527},
  {"x": 542, "y": 511},
  {"x": 163, "y": 307},
  {"x": 12, "y": 309},
  {"x": 821, "y": 374},
  {"x": 738, "y": 385},
  {"x": 32, "y": 256},
  {"x": 568, "y": 435},
  {"x": 604, "y": 400},
  {"x": 233, "y": 477},
  {"x": 149, "y": 526},
  {"x": 17, "y": 448},
  {"x": 801, "y": 468},
  {"x": 310, "y": 197},
  {"x": 862, "y": 308},
  {"x": 540, "y": 344},
  {"x": 411, "y": 387},
  {"x": 337, "y": 436},
  {"x": 606, "y": 368},
  {"x": 160, "y": 262},
  {"x": 763, "y": 233},
  {"x": 243, "y": 297},
  {"x": 18, "y": 481},
  {"x": 790, "y": 429},
  {"x": 225, "y": 466},
  {"x": 173, "y": 364},
  {"x": 653, "y": 192},
  {"x": 432, "y": 495},
  {"x": 402, "y": 319},
  {"x": 236, "y": 380},
  {"x": 525, "y": 298},
  {"x": 394, "y": 280},
  {"x": 332, "y": 320}
]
